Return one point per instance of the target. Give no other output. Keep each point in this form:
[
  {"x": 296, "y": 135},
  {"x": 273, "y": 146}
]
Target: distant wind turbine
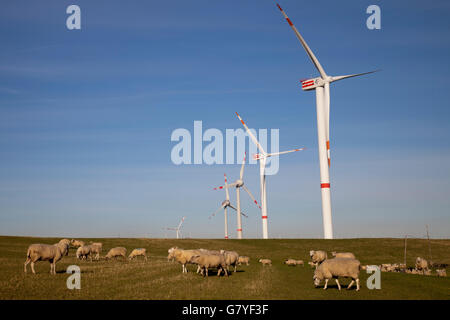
[{"x": 177, "y": 229}]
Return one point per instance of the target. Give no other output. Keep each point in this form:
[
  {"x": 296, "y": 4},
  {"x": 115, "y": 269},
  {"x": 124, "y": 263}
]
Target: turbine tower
[
  {"x": 322, "y": 86},
  {"x": 239, "y": 183},
  {"x": 262, "y": 157},
  {"x": 178, "y": 229},
  {"x": 225, "y": 204}
]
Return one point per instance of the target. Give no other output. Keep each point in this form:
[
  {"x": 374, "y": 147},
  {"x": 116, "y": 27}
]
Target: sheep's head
[
  {"x": 317, "y": 278},
  {"x": 311, "y": 253}
]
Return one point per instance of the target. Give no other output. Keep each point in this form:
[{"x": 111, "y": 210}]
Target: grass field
[{"x": 159, "y": 279}]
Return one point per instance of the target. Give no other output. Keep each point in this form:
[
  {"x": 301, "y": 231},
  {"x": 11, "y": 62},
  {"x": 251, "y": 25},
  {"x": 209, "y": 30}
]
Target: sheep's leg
[
  {"x": 326, "y": 284},
  {"x": 32, "y": 267},
  {"x": 234, "y": 268},
  {"x": 339, "y": 285},
  {"x": 219, "y": 271},
  {"x": 206, "y": 268},
  {"x": 198, "y": 268},
  {"x": 350, "y": 285},
  {"x": 357, "y": 284},
  {"x": 26, "y": 263}
]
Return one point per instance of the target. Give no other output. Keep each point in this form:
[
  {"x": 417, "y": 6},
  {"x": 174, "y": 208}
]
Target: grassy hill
[{"x": 159, "y": 279}]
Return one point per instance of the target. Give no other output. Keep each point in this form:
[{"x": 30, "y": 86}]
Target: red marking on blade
[
  {"x": 328, "y": 145},
  {"x": 289, "y": 21},
  {"x": 264, "y": 217},
  {"x": 307, "y": 81},
  {"x": 243, "y": 122},
  {"x": 324, "y": 185},
  {"x": 279, "y": 7},
  {"x": 238, "y": 229},
  {"x": 328, "y": 161}
]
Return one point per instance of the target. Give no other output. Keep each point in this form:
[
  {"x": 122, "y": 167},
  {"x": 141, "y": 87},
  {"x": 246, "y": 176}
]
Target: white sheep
[
  {"x": 77, "y": 243},
  {"x": 231, "y": 258},
  {"x": 265, "y": 262},
  {"x": 337, "y": 267},
  {"x": 96, "y": 248},
  {"x": 317, "y": 257},
  {"x": 299, "y": 262},
  {"x": 290, "y": 262},
  {"x": 45, "y": 252},
  {"x": 343, "y": 255},
  {"x": 207, "y": 261},
  {"x": 83, "y": 252},
  {"x": 243, "y": 259},
  {"x": 116, "y": 252},
  {"x": 441, "y": 272},
  {"x": 421, "y": 264},
  {"x": 184, "y": 256},
  {"x": 138, "y": 252}
]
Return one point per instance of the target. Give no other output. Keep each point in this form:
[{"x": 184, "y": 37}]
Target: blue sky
[{"x": 86, "y": 116}]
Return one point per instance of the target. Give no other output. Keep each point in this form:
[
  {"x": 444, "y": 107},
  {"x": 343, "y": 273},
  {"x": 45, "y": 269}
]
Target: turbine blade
[
  {"x": 305, "y": 46},
  {"x": 251, "y": 196},
  {"x": 226, "y": 187},
  {"x": 250, "y": 134},
  {"x": 242, "y": 167},
  {"x": 327, "y": 118},
  {"x": 337, "y": 78},
  {"x": 181, "y": 222},
  {"x": 215, "y": 212},
  {"x": 283, "y": 152},
  {"x": 243, "y": 214}
]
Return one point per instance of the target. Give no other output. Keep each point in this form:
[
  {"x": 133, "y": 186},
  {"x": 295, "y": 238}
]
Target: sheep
[
  {"x": 441, "y": 272},
  {"x": 265, "y": 262},
  {"x": 138, "y": 252},
  {"x": 337, "y": 267},
  {"x": 427, "y": 272},
  {"x": 116, "y": 252},
  {"x": 243, "y": 259},
  {"x": 317, "y": 257},
  {"x": 45, "y": 252},
  {"x": 290, "y": 262},
  {"x": 421, "y": 264},
  {"x": 299, "y": 262},
  {"x": 96, "y": 248},
  {"x": 76, "y": 243},
  {"x": 343, "y": 255},
  {"x": 231, "y": 258},
  {"x": 184, "y": 257},
  {"x": 206, "y": 261},
  {"x": 312, "y": 264},
  {"x": 83, "y": 252}
]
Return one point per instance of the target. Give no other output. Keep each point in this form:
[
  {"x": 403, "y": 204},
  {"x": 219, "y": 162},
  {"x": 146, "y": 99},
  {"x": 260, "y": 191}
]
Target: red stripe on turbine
[
  {"x": 279, "y": 7},
  {"x": 239, "y": 229},
  {"x": 264, "y": 217},
  {"x": 324, "y": 185},
  {"x": 289, "y": 21},
  {"x": 226, "y": 237}
]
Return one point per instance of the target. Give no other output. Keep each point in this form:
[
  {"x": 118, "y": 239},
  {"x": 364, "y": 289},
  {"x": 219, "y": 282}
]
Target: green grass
[{"x": 159, "y": 279}]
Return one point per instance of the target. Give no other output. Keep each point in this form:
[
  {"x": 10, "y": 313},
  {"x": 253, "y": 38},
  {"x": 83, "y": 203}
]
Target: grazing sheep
[
  {"x": 206, "y": 261},
  {"x": 343, "y": 255},
  {"x": 312, "y": 264},
  {"x": 138, "y": 252},
  {"x": 231, "y": 258},
  {"x": 45, "y": 252},
  {"x": 116, "y": 252},
  {"x": 96, "y": 248},
  {"x": 337, "y": 267},
  {"x": 83, "y": 252},
  {"x": 421, "y": 264},
  {"x": 265, "y": 262},
  {"x": 427, "y": 272},
  {"x": 243, "y": 259},
  {"x": 441, "y": 272},
  {"x": 299, "y": 262},
  {"x": 290, "y": 262},
  {"x": 184, "y": 256},
  {"x": 76, "y": 243},
  {"x": 317, "y": 257}
]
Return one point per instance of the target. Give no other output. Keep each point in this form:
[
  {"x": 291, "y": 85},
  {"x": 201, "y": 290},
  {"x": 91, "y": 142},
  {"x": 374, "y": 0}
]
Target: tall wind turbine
[
  {"x": 178, "y": 229},
  {"x": 262, "y": 157},
  {"x": 239, "y": 183},
  {"x": 322, "y": 86},
  {"x": 225, "y": 204}
]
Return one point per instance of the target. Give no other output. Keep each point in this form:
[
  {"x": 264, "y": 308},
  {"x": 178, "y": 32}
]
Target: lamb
[
  {"x": 343, "y": 255},
  {"x": 441, "y": 272},
  {"x": 116, "y": 252},
  {"x": 138, "y": 252},
  {"x": 76, "y": 243},
  {"x": 83, "y": 252},
  {"x": 231, "y": 258},
  {"x": 337, "y": 267},
  {"x": 317, "y": 257},
  {"x": 299, "y": 262},
  {"x": 243, "y": 259},
  {"x": 206, "y": 261},
  {"x": 96, "y": 248},
  {"x": 290, "y": 262},
  {"x": 265, "y": 262},
  {"x": 421, "y": 264},
  {"x": 45, "y": 252}
]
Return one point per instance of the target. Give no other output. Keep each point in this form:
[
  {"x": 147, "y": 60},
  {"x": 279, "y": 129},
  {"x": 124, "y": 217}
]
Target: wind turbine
[
  {"x": 262, "y": 157},
  {"x": 322, "y": 86},
  {"x": 239, "y": 183},
  {"x": 178, "y": 229},
  {"x": 225, "y": 204}
]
